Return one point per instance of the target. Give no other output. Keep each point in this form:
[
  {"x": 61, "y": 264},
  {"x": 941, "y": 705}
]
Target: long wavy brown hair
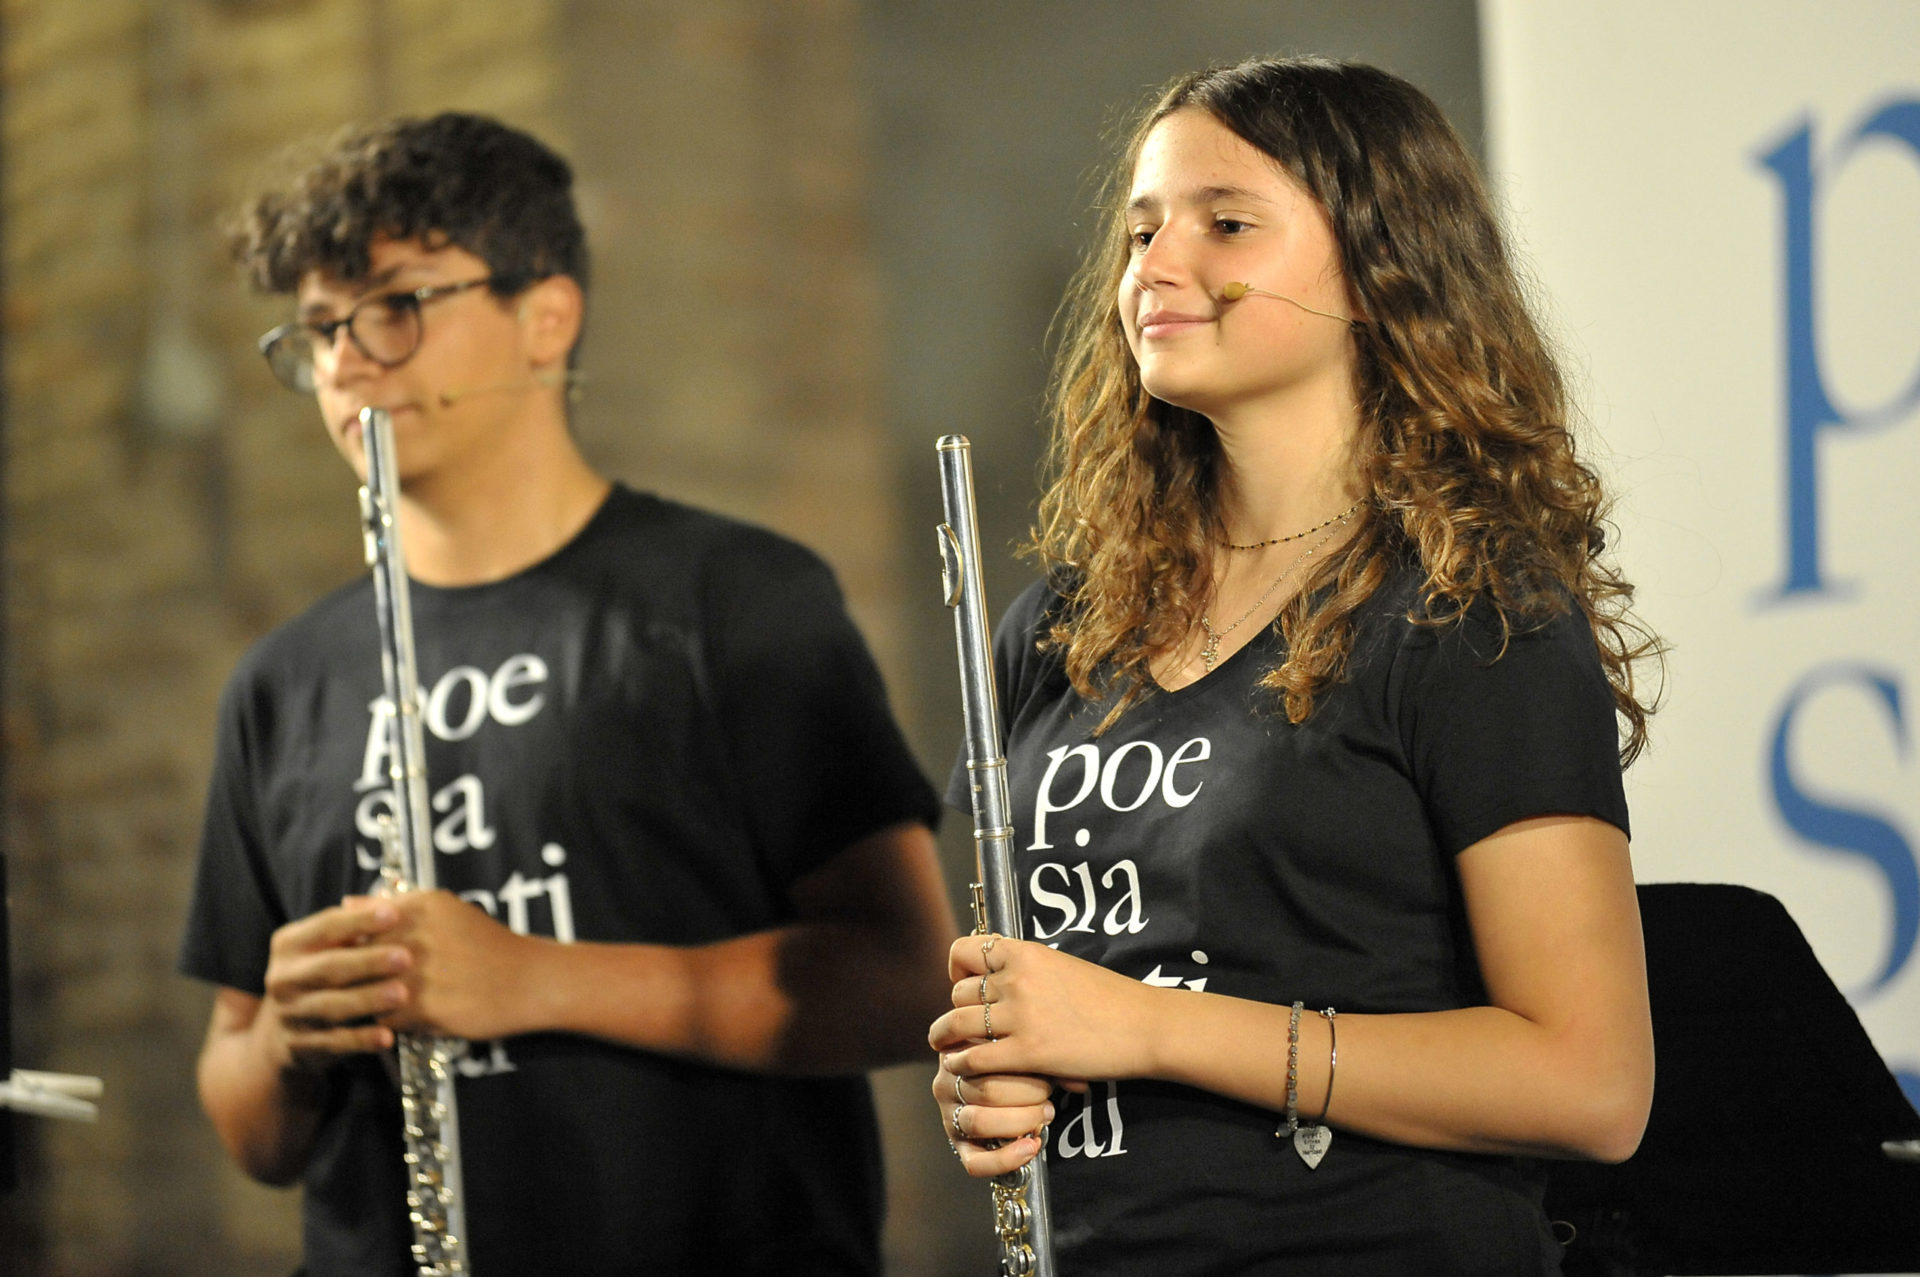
[{"x": 1465, "y": 455}]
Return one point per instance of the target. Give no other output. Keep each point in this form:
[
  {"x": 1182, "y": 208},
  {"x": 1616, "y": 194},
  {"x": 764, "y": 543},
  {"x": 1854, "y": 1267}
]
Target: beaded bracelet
[
  {"x": 1310, "y": 1139},
  {"x": 1292, "y": 1123}
]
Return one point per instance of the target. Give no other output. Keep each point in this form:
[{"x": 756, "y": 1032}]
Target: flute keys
[{"x": 1013, "y": 1221}]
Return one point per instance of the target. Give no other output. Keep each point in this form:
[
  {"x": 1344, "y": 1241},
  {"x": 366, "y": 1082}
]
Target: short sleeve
[
  {"x": 1500, "y": 736},
  {"x": 820, "y": 759},
  {"x": 234, "y": 909}
]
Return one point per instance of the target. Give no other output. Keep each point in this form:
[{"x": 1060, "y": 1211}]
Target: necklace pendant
[{"x": 1210, "y": 654}]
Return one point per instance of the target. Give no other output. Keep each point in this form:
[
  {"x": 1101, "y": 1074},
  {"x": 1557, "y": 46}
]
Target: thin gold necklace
[
  {"x": 1210, "y": 650},
  {"x": 1295, "y": 536}
]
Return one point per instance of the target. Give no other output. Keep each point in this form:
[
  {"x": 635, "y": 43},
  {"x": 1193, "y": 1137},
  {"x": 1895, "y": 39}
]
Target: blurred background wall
[{"x": 825, "y": 233}]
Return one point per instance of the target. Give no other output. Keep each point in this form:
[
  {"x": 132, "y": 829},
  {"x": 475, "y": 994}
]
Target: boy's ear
[{"x": 551, "y": 312}]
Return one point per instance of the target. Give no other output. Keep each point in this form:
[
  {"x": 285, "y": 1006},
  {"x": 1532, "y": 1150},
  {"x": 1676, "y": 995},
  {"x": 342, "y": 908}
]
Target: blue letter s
[{"x": 1853, "y": 832}]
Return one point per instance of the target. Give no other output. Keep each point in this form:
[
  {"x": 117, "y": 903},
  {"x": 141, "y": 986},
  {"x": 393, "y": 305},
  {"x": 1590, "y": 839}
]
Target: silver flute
[
  {"x": 436, "y": 1202},
  {"x": 1020, "y": 1213}
]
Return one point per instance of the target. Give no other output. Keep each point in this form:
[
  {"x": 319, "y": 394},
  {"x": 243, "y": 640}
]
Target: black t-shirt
[
  {"x": 1205, "y": 842},
  {"x": 647, "y": 737}
]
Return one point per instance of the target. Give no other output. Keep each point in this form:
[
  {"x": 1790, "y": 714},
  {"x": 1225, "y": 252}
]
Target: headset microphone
[
  {"x": 1236, "y": 290},
  {"x": 545, "y": 377}
]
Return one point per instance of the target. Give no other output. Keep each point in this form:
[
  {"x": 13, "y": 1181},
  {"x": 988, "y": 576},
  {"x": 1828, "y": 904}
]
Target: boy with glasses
[{"x": 691, "y": 889}]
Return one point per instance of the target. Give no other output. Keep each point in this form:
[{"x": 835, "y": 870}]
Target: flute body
[
  {"x": 1021, "y": 1215},
  {"x": 436, "y": 1202}
]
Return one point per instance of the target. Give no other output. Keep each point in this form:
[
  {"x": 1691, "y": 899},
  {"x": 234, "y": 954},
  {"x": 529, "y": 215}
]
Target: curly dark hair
[
  {"x": 452, "y": 179},
  {"x": 1465, "y": 455}
]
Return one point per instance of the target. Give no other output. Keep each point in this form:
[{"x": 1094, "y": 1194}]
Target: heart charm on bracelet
[{"x": 1312, "y": 1143}]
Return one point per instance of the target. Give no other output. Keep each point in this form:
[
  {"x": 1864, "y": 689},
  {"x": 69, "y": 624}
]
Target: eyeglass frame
[{"x": 328, "y": 329}]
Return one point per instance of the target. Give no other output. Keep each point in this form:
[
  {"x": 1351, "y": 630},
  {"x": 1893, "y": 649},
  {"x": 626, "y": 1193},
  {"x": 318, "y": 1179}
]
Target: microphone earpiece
[
  {"x": 545, "y": 377},
  {"x": 1236, "y": 289}
]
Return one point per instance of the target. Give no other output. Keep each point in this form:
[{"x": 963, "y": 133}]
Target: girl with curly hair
[{"x": 1315, "y": 725}]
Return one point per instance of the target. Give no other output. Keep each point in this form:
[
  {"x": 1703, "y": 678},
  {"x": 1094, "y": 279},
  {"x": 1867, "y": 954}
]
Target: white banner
[{"x": 1721, "y": 202}]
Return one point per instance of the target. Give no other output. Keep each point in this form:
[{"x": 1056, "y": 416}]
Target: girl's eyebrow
[{"x": 1201, "y": 195}]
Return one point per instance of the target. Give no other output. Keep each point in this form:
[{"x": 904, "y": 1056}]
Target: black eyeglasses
[{"x": 386, "y": 328}]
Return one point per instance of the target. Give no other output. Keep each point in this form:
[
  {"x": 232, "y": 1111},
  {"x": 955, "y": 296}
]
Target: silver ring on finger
[
  {"x": 983, "y": 990},
  {"x": 957, "y": 1132},
  {"x": 986, "y": 1010},
  {"x": 987, "y": 948}
]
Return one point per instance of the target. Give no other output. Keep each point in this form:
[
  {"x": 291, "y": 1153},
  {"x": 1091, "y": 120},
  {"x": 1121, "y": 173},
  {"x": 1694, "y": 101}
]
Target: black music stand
[
  {"x": 23, "y": 1090},
  {"x": 1777, "y": 1138},
  {"x": 9, "y": 1160}
]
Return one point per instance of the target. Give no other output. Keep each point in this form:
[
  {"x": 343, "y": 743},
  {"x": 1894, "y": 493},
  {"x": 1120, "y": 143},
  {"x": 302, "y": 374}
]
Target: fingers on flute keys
[
  {"x": 972, "y": 955},
  {"x": 975, "y": 993},
  {"x": 992, "y": 1121},
  {"x": 979, "y": 1124},
  {"x": 992, "y": 1090}
]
